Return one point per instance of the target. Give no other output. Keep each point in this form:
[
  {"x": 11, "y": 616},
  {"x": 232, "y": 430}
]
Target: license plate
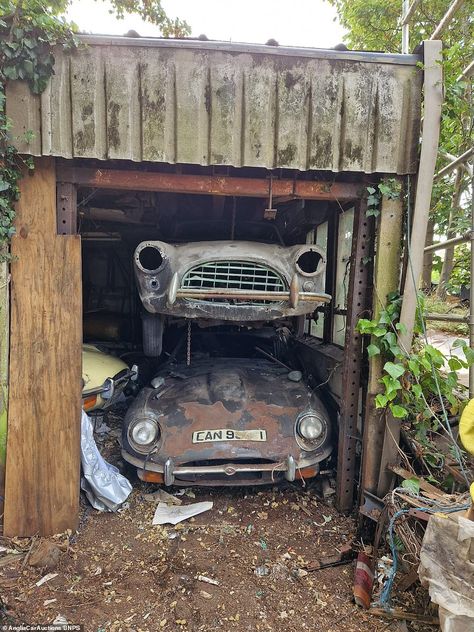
[{"x": 202, "y": 436}]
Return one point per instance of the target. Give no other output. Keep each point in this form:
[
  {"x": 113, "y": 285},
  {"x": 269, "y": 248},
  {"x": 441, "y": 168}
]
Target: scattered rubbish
[
  {"x": 186, "y": 492},
  {"x": 345, "y": 555},
  {"x": 327, "y": 489},
  {"x": 262, "y": 571},
  {"x": 299, "y": 573},
  {"x": 60, "y": 620},
  {"x": 280, "y": 571},
  {"x": 319, "y": 602},
  {"x": 48, "y": 602},
  {"x": 5, "y": 560},
  {"x": 161, "y": 496},
  {"x": 326, "y": 519},
  {"x": 207, "y": 580},
  {"x": 102, "y": 428},
  {"x": 263, "y": 544},
  {"x": 45, "y": 555},
  {"x": 398, "y": 613},
  {"x": 205, "y": 595},
  {"x": 46, "y": 578},
  {"x": 165, "y": 514},
  {"x": 446, "y": 569},
  {"x": 105, "y": 488},
  {"x": 363, "y": 580}
]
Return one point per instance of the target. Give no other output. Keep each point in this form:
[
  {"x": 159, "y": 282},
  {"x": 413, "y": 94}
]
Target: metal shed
[
  {"x": 220, "y": 104},
  {"x": 196, "y": 117}
]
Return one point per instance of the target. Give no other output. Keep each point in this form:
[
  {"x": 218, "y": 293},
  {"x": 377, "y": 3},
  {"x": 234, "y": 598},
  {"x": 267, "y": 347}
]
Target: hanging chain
[{"x": 188, "y": 354}]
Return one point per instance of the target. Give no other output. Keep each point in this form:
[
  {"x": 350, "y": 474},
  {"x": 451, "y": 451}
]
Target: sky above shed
[{"x": 298, "y": 23}]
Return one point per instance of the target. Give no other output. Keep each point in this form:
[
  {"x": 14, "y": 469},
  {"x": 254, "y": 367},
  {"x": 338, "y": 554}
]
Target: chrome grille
[{"x": 233, "y": 275}]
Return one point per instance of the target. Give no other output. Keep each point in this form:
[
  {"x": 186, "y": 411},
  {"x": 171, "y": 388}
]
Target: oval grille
[{"x": 233, "y": 275}]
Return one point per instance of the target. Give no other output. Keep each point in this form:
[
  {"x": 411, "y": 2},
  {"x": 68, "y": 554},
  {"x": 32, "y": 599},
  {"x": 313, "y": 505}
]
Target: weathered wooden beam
[
  {"x": 386, "y": 280},
  {"x": 409, "y": 14},
  {"x": 43, "y": 462},
  {"x": 4, "y": 353},
  {"x": 454, "y": 164},
  {"x": 446, "y": 20},
  {"x": 129, "y": 180}
]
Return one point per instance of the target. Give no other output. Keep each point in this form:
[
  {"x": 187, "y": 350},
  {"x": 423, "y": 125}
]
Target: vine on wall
[{"x": 26, "y": 41}]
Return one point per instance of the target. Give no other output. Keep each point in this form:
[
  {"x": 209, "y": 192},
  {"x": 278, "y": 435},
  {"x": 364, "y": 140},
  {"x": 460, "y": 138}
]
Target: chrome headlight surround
[
  {"x": 143, "y": 434},
  {"x": 311, "y": 430}
]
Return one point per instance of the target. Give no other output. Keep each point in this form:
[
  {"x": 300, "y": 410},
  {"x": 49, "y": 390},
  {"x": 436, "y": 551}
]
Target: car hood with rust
[{"x": 226, "y": 394}]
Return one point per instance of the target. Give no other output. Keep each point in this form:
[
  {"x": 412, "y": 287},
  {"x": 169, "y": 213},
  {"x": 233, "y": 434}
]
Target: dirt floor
[{"x": 120, "y": 573}]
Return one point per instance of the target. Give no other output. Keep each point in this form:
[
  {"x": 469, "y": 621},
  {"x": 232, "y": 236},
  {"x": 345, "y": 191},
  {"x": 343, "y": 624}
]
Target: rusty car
[
  {"x": 227, "y": 421},
  {"x": 237, "y": 281}
]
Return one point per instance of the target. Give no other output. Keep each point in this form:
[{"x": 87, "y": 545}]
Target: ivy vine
[
  {"x": 420, "y": 383},
  {"x": 27, "y": 38}
]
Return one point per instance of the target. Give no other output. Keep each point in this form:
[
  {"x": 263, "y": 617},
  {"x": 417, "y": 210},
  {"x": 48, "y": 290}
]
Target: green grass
[{"x": 451, "y": 306}]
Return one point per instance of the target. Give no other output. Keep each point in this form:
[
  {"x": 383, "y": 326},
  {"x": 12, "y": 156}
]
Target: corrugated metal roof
[{"x": 211, "y": 103}]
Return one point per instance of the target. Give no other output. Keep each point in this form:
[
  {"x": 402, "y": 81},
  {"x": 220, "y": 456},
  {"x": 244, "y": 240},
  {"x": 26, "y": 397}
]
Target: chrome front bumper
[{"x": 170, "y": 472}]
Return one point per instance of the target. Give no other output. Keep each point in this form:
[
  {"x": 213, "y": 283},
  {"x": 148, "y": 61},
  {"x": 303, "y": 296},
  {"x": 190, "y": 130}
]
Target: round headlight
[
  {"x": 143, "y": 434},
  {"x": 311, "y": 431},
  {"x": 310, "y": 428}
]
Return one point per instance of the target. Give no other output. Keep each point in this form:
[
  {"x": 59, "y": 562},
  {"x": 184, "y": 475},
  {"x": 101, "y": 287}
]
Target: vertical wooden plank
[
  {"x": 43, "y": 463},
  {"x": 4, "y": 351},
  {"x": 386, "y": 280}
]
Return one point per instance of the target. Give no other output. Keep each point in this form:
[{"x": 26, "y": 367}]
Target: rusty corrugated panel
[{"x": 222, "y": 104}]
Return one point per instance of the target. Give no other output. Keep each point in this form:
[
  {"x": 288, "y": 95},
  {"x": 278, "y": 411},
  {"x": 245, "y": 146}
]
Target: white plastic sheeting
[
  {"x": 104, "y": 486},
  {"x": 447, "y": 569}
]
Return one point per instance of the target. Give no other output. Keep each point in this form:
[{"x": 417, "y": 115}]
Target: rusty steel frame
[
  {"x": 66, "y": 208},
  {"x": 121, "y": 179},
  {"x": 359, "y": 304}
]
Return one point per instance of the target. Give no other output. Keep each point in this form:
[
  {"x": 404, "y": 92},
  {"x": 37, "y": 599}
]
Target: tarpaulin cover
[
  {"x": 447, "y": 569},
  {"x": 104, "y": 486}
]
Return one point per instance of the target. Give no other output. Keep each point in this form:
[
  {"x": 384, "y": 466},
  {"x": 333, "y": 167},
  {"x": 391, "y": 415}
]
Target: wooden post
[
  {"x": 4, "y": 351},
  {"x": 386, "y": 280},
  {"x": 43, "y": 459}
]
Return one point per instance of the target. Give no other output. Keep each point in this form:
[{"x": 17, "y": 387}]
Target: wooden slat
[{"x": 43, "y": 464}]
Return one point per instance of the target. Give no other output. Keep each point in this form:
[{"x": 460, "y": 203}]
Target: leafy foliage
[{"x": 417, "y": 385}]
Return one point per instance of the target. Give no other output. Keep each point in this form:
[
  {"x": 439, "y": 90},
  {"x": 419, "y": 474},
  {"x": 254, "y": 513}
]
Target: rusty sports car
[
  {"x": 238, "y": 281},
  {"x": 226, "y": 421}
]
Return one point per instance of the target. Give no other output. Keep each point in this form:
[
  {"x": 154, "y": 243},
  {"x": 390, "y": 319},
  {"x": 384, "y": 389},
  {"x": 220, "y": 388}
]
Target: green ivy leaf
[
  {"x": 417, "y": 390},
  {"x": 400, "y": 412},
  {"x": 401, "y": 327},
  {"x": 373, "y": 350},
  {"x": 365, "y": 326},
  {"x": 455, "y": 364},
  {"x": 469, "y": 353},
  {"x": 394, "y": 370},
  {"x": 412, "y": 484},
  {"x": 381, "y": 401}
]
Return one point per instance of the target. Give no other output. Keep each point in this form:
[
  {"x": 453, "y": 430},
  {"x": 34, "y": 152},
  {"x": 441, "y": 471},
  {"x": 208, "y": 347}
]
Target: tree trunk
[
  {"x": 428, "y": 258},
  {"x": 449, "y": 252}
]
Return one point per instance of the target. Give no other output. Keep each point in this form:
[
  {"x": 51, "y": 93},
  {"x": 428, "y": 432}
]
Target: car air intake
[{"x": 233, "y": 275}]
